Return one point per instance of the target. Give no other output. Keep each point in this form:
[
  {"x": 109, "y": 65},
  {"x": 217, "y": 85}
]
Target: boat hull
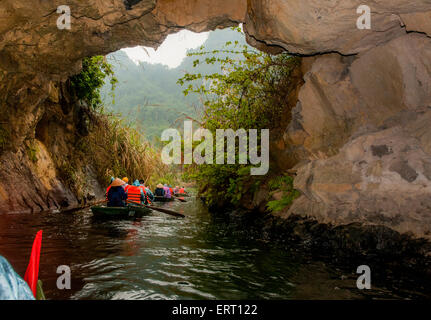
[
  {"x": 182, "y": 195},
  {"x": 163, "y": 199},
  {"x": 119, "y": 212}
]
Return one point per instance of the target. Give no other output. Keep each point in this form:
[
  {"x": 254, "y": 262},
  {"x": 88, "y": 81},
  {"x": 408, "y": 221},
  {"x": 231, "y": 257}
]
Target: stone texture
[
  {"x": 310, "y": 26},
  {"x": 362, "y": 130}
]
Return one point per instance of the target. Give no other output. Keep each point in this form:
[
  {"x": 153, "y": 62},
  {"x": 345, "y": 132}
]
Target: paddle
[{"x": 172, "y": 213}]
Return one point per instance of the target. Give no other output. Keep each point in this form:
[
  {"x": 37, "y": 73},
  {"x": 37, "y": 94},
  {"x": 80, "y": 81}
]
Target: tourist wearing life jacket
[
  {"x": 138, "y": 184},
  {"x": 160, "y": 191},
  {"x": 135, "y": 194},
  {"x": 116, "y": 194},
  {"x": 176, "y": 189},
  {"x": 182, "y": 191},
  {"x": 150, "y": 195},
  {"x": 171, "y": 190}
]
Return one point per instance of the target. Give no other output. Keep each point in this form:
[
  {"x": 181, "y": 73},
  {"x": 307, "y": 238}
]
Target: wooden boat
[
  {"x": 119, "y": 212},
  {"x": 182, "y": 195},
  {"x": 163, "y": 199}
]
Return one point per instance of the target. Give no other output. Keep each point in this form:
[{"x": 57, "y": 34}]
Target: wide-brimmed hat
[
  {"x": 126, "y": 180},
  {"x": 160, "y": 185},
  {"x": 117, "y": 183}
]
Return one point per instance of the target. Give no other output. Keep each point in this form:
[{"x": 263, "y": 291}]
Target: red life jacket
[
  {"x": 107, "y": 190},
  {"x": 172, "y": 191},
  {"x": 133, "y": 194},
  {"x": 182, "y": 190}
]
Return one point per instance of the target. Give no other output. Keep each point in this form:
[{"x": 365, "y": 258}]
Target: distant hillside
[{"x": 148, "y": 94}]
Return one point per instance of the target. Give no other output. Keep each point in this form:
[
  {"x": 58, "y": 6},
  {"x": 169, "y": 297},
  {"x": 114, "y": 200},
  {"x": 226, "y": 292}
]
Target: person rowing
[
  {"x": 160, "y": 191},
  {"x": 116, "y": 195}
]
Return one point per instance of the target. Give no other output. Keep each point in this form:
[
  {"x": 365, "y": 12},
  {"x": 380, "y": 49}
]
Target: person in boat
[
  {"x": 176, "y": 190},
  {"x": 109, "y": 187},
  {"x": 12, "y": 286},
  {"x": 135, "y": 194},
  {"x": 168, "y": 193},
  {"x": 171, "y": 190},
  {"x": 116, "y": 194},
  {"x": 148, "y": 191},
  {"x": 160, "y": 191},
  {"x": 182, "y": 191},
  {"x": 126, "y": 183},
  {"x": 144, "y": 192}
]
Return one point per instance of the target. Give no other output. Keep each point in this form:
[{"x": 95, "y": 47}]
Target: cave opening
[{"x": 148, "y": 94}]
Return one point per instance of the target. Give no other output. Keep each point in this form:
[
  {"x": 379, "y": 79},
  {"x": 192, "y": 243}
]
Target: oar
[{"x": 172, "y": 213}]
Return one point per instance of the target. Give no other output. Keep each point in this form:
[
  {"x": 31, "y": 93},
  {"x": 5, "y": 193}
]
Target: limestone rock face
[
  {"x": 361, "y": 130},
  {"x": 310, "y": 26}
]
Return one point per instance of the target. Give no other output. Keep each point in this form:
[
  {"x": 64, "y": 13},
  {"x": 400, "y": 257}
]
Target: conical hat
[{"x": 117, "y": 182}]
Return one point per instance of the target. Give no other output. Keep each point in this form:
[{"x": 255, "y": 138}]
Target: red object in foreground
[{"x": 32, "y": 273}]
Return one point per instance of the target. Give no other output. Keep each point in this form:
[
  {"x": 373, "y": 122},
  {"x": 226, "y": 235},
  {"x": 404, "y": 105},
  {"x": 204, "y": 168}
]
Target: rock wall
[{"x": 360, "y": 134}]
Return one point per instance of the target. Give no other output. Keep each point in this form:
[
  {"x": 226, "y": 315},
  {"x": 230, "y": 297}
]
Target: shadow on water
[{"x": 163, "y": 257}]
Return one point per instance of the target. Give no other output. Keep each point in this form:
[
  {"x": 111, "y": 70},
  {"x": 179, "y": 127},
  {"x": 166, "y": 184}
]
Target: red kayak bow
[{"x": 32, "y": 273}]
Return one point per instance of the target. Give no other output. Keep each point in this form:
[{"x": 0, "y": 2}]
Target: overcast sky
[{"x": 172, "y": 51}]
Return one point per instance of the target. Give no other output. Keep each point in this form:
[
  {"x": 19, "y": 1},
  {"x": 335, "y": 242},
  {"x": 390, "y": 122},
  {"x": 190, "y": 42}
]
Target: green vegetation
[
  {"x": 112, "y": 146},
  {"x": 251, "y": 92},
  {"x": 88, "y": 83},
  {"x": 147, "y": 95},
  {"x": 121, "y": 151},
  {"x": 283, "y": 184}
]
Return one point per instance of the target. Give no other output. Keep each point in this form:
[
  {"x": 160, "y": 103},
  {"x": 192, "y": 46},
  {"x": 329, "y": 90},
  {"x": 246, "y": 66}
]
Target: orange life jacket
[
  {"x": 172, "y": 191},
  {"x": 182, "y": 190},
  {"x": 133, "y": 194},
  {"x": 107, "y": 190}
]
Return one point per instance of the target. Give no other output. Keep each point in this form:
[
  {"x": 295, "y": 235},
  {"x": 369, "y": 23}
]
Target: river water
[{"x": 163, "y": 257}]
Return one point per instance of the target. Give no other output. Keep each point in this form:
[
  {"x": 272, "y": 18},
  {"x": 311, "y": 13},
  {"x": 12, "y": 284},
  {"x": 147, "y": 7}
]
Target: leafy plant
[
  {"x": 90, "y": 80},
  {"x": 250, "y": 91},
  {"x": 289, "y": 193}
]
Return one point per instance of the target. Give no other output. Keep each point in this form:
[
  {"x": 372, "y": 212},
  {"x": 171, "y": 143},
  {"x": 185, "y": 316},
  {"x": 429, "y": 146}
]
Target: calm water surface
[{"x": 162, "y": 257}]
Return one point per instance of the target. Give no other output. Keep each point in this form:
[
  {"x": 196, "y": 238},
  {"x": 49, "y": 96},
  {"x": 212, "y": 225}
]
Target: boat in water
[
  {"x": 163, "y": 199},
  {"x": 119, "y": 212}
]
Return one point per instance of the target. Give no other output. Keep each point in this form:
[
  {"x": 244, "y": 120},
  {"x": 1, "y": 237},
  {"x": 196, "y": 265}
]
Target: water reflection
[{"x": 162, "y": 257}]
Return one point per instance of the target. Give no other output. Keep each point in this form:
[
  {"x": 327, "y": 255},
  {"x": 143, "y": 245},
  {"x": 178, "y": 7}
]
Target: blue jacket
[
  {"x": 159, "y": 192},
  {"x": 116, "y": 197},
  {"x": 12, "y": 286}
]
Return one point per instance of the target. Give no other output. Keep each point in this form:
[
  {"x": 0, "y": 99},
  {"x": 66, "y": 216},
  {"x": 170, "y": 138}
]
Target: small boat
[
  {"x": 163, "y": 199},
  {"x": 182, "y": 195},
  {"x": 119, "y": 212}
]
